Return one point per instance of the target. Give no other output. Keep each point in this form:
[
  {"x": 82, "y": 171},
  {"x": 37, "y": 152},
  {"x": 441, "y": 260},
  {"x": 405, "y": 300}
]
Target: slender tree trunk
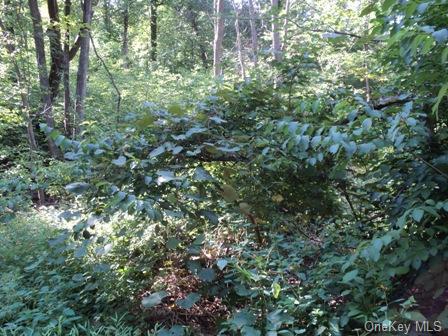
[
  {"x": 366, "y": 76},
  {"x": 238, "y": 42},
  {"x": 38, "y": 35},
  {"x": 106, "y": 16},
  {"x": 194, "y": 25},
  {"x": 81, "y": 78},
  {"x": 276, "y": 46},
  {"x": 219, "y": 35},
  {"x": 286, "y": 24},
  {"x": 56, "y": 53},
  {"x": 253, "y": 33},
  {"x": 68, "y": 125},
  {"x": 8, "y": 33},
  {"x": 153, "y": 27},
  {"x": 125, "y": 46}
]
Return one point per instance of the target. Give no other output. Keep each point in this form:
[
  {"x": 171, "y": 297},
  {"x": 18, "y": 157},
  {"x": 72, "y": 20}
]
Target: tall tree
[
  {"x": 286, "y": 24},
  {"x": 239, "y": 46},
  {"x": 125, "y": 38},
  {"x": 107, "y": 17},
  {"x": 56, "y": 53},
  {"x": 253, "y": 32},
  {"x": 276, "y": 45},
  {"x": 38, "y": 35},
  {"x": 192, "y": 17},
  {"x": 7, "y": 35},
  {"x": 219, "y": 35},
  {"x": 153, "y": 27},
  {"x": 81, "y": 78},
  {"x": 68, "y": 124}
]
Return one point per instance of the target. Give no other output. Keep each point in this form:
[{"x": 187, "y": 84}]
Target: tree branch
[{"x": 109, "y": 74}]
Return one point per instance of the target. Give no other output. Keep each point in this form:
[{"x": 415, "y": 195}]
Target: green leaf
[
  {"x": 221, "y": 263},
  {"x": 250, "y": 331},
  {"x": 367, "y": 124},
  {"x": 440, "y": 35},
  {"x": 276, "y": 289},
  {"x": 243, "y": 318},
  {"x": 366, "y": 148},
  {"x": 53, "y": 134},
  {"x": 59, "y": 139},
  {"x": 189, "y": 301},
  {"x": 157, "y": 151},
  {"x": 200, "y": 174},
  {"x": 369, "y": 9},
  {"x": 175, "y": 109},
  {"x": 120, "y": 161},
  {"x": 333, "y": 148},
  {"x": 176, "y": 150},
  {"x": 229, "y": 193},
  {"x": 444, "y": 55},
  {"x": 414, "y": 316},
  {"x": 350, "y": 276},
  {"x": 417, "y": 214},
  {"x": 153, "y": 299},
  {"x": 145, "y": 121},
  {"x": 443, "y": 318},
  {"x": 77, "y": 187},
  {"x": 210, "y": 215},
  {"x": 172, "y": 243},
  {"x": 80, "y": 252},
  {"x": 176, "y": 330},
  {"x": 165, "y": 176},
  {"x": 387, "y": 4},
  {"x": 207, "y": 274},
  {"x": 320, "y": 330},
  {"x": 442, "y": 93}
]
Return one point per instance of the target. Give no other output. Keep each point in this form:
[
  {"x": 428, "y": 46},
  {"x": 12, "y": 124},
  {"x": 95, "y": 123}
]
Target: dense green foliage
[{"x": 306, "y": 199}]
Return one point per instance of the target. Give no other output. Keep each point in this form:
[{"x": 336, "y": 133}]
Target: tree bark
[
  {"x": 192, "y": 18},
  {"x": 7, "y": 33},
  {"x": 81, "y": 78},
  {"x": 153, "y": 28},
  {"x": 276, "y": 46},
  {"x": 125, "y": 45},
  {"x": 106, "y": 17},
  {"x": 68, "y": 125},
  {"x": 38, "y": 35},
  {"x": 253, "y": 33},
  {"x": 219, "y": 35},
  {"x": 238, "y": 42},
  {"x": 286, "y": 24},
  {"x": 56, "y": 53}
]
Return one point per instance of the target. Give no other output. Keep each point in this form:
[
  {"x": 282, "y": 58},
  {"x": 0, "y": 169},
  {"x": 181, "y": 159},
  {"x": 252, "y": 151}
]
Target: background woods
[{"x": 225, "y": 167}]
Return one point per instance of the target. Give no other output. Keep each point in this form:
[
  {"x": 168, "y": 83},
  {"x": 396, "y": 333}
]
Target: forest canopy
[{"x": 225, "y": 167}]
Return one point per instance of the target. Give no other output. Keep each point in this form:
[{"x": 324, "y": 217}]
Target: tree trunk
[
  {"x": 57, "y": 56},
  {"x": 38, "y": 35},
  {"x": 285, "y": 25},
  {"x": 219, "y": 35},
  {"x": 81, "y": 78},
  {"x": 68, "y": 125},
  {"x": 276, "y": 46},
  {"x": 253, "y": 33},
  {"x": 366, "y": 76},
  {"x": 125, "y": 46},
  {"x": 192, "y": 16},
  {"x": 153, "y": 27},
  {"x": 7, "y": 33},
  {"x": 238, "y": 42},
  {"x": 106, "y": 17}
]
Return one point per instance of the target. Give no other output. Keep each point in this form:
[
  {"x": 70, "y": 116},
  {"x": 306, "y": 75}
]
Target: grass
[{"x": 37, "y": 299}]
